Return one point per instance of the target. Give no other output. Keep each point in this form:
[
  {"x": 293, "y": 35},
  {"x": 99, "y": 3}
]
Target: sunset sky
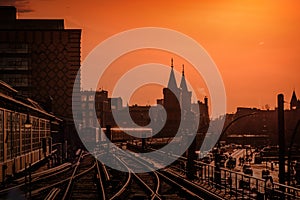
[{"x": 254, "y": 43}]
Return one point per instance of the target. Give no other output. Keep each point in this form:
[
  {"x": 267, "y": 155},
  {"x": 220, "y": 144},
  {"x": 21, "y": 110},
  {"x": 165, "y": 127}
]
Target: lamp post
[
  {"x": 281, "y": 139},
  {"x": 27, "y": 122},
  {"x": 217, "y": 152},
  {"x": 233, "y": 121}
]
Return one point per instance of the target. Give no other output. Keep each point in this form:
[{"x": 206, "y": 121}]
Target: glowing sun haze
[{"x": 254, "y": 43}]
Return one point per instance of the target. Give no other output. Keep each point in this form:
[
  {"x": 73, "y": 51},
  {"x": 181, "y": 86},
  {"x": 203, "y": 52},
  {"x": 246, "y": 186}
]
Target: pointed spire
[
  {"x": 183, "y": 85},
  {"x": 294, "y": 97},
  {"x": 172, "y": 81},
  {"x": 294, "y": 101}
]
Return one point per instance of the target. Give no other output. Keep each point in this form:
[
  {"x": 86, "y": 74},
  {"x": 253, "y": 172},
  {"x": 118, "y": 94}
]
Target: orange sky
[{"x": 255, "y": 43}]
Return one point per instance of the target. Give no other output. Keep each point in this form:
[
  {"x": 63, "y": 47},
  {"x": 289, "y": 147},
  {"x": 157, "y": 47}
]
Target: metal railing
[{"x": 238, "y": 184}]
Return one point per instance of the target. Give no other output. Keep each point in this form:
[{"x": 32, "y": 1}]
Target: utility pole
[
  {"x": 191, "y": 157},
  {"x": 109, "y": 136},
  {"x": 281, "y": 139}
]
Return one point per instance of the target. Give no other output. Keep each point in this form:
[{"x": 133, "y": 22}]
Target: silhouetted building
[
  {"x": 88, "y": 107},
  {"x": 171, "y": 103},
  {"x": 100, "y": 102},
  {"x": 294, "y": 103},
  {"x": 260, "y": 127},
  {"x": 202, "y": 108},
  {"x": 40, "y": 58},
  {"x": 26, "y": 131},
  {"x": 116, "y": 103},
  {"x": 140, "y": 114},
  {"x": 176, "y": 101},
  {"x": 178, "y": 106}
]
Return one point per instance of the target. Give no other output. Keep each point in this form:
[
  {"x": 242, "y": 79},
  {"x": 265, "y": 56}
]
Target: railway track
[
  {"x": 85, "y": 182},
  {"x": 150, "y": 185},
  {"x": 178, "y": 174},
  {"x": 23, "y": 187},
  {"x": 81, "y": 180},
  {"x": 141, "y": 185}
]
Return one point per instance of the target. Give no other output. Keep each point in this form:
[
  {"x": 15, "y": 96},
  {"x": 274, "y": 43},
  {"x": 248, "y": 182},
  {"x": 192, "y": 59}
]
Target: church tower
[
  {"x": 172, "y": 92},
  {"x": 185, "y": 94},
  {"x": 294, "y": 101},
  {"x": 171, "y": 104}
]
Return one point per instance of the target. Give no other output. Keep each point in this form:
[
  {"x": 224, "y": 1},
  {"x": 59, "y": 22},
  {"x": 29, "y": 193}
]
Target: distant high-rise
[{"x": 40, "y": 58}]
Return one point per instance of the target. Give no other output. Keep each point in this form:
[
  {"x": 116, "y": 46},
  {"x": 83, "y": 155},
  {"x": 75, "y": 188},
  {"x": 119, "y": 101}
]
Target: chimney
[{"x": 206, "y": 101}]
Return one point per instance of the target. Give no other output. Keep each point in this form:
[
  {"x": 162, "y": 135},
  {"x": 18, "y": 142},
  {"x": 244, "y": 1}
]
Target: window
[
  {"x": 8, "y": 138},
  {"x": 91, "y": 124},
  {"x": 91, "y": 114},
  {"x": 16, "y": 134},
  {"x": 47, "y": 129},
  {"x": 35, "y": 134},
  {"x": 26, "y": 136},
  {"x": 91, "y": 106},
  {"x": 23, "y": 119},
  {"x": 91, "y": 97},
  {"x": 83, "y": 98},
  {"x": 42, "y": 128}
]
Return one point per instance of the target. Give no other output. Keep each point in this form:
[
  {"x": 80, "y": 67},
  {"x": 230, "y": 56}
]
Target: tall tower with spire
[
  {"x": 171, "y": 104},
  {"x": 178, "y": 106},
  {"x": 172, "y": 85},
  {"x": 186, "y": 95},
  {"x": 294, "y": 103}
]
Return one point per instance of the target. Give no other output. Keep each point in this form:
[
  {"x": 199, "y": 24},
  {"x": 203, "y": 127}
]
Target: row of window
[
  {"x": 89, "y": 123},
  {"x": 14, "y": 48},
  {"x": 8, "y": 63},
  {"x": 89, "y": 106},
  {"x": 18, "y": 139},
  {"x": 15, "y": 79},
  {"x": 89, "y": 98}
]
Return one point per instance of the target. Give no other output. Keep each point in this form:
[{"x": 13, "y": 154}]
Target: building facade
[
  {"x": 103, "y": 105},
  {"x": 40, "y": 59},
  {"x": 26, "y": 131}
]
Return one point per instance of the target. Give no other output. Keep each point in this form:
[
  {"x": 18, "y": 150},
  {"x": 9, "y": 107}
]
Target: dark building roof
[
  {"x": 9, "y": 96},
  {"x": 9, "y": 21},
  {"x": 8, "y": 13},
  {"x": 7, "y": 89}
]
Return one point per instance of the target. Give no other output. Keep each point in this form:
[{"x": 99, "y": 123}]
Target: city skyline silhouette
[{"x": 255, "y": 45}]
